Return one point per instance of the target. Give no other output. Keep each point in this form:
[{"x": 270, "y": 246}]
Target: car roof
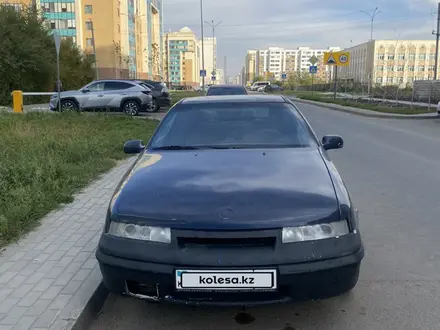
[
  {"x": 117, "y": 80},
  {"x": 226, "y": 85},
  {"x": 234, "y": 98}
]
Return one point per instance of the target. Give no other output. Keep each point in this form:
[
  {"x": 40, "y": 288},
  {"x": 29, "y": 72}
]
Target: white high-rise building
[{"x": 210, "y": 50}]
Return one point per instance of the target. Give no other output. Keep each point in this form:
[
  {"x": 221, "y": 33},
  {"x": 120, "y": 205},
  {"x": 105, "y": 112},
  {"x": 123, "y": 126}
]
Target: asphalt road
[{"x": 391, "y": 168}]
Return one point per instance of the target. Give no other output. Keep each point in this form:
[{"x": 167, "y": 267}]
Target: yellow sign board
[{"x": 337, "y": 58}]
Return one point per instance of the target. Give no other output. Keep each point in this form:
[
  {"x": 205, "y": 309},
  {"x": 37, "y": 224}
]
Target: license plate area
[{"x": 226, "y": 280}]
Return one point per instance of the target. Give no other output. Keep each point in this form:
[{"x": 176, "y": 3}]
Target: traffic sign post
[
  {"x": 313, "y": 69},
  {"x": 57, "y": 40},
  {"x": 336, "y": 59},
  {"x": 313, "y": 60},
  {"x": 213, "y": 78},
  {"x": 283, "y": 76},
  {"x": 202, "y": 73}
]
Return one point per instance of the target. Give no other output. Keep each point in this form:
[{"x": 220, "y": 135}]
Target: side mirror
[
  {"x": 85, "y": 90},
  {"x": 134, "y": 147},
  {"x": 332, "y": 142}
]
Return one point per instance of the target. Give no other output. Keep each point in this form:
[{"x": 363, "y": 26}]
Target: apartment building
[
  {"x": 390, "y": 62},
  {"x": 183, "y": 58},
  {"x": 128, "y": 34},
  {"x": 275, "y": 61}
]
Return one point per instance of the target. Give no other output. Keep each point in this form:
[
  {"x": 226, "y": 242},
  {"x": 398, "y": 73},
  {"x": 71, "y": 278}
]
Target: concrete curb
[
  {"x": 364, "y": 112},
  {"x": 92, "y": 309}
]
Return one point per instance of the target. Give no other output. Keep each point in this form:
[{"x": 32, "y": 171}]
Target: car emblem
[{"x": 226, "y": 214}]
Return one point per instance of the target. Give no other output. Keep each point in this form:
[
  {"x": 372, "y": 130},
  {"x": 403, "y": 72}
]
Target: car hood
[{"x": 228, "y": 189}]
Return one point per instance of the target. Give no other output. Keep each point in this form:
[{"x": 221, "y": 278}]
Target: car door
[
  {"x": 91, "y": 95},
  {"x": 114, "y": 92}
]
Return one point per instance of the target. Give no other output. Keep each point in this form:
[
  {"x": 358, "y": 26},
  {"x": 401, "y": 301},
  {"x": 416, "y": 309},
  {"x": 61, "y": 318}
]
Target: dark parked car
[
  {"x": 234, "y": 200},
  {"x": 160, "y": 93},
  {"x": 226, "y": 90},
  {"x": 272, "y": 88}
]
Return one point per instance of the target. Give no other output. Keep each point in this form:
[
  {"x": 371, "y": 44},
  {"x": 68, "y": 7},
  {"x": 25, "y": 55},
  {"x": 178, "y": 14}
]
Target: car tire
[
  {"x": 69, "y": 106},
  {"x": 131, "y": 107},
  {"x": 155, "y": 105}
]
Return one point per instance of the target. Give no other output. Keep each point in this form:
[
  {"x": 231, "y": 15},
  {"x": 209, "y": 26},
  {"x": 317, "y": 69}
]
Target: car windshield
[
  {"x": 232, "y": 125},
  {"x": 226, "y": 91}
]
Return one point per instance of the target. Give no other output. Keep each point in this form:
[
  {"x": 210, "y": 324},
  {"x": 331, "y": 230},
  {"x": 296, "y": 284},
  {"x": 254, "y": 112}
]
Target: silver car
[{"x": 120, "y": 95}]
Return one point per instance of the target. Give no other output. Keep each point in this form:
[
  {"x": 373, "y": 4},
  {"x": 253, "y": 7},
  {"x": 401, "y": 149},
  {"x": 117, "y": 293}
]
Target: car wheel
[
  {"x": 131, "y": 107},
  {"x": 69, "y": 106},
  {"x": 155, "y": 105}
]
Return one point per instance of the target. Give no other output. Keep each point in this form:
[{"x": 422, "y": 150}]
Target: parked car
[
  {"x": 259, "y": 84},
  {"x": 234, "y": 200},
  {"x": 226, "y": 90},
  {"x": 161, "y": 95},
  {"x": 271, "y": 88},
  {"x": 120, "y": 95}
]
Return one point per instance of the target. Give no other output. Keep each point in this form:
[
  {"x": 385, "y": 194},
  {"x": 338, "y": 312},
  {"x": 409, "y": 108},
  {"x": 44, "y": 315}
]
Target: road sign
[
  {"x": 202, "y": 73},
  {"x": 283, "y": 76},
  {"x": 313, "y": 60},
  {"x": 213, "y": 72},
  {"x": 313, "y": 69},
  {"x": 337, "y": 58},
  {"x": 213, "y": 78}
]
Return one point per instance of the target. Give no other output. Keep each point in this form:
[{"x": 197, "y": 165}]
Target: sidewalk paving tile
[{"x": 48, "y": 276}]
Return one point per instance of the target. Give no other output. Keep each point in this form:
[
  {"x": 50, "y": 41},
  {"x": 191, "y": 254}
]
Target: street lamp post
[
  {"x": 213, "y": 26},
  {"x": 372, "y": 16},
  {"x": 203, "y": 47}
]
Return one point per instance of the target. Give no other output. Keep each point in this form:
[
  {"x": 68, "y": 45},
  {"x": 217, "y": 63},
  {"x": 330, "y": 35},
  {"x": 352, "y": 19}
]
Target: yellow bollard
[{"x": 17, "y": 101}]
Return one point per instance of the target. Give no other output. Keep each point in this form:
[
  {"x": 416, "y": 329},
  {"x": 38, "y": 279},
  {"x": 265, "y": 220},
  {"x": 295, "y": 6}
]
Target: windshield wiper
[{"x": 176, "y": 147}]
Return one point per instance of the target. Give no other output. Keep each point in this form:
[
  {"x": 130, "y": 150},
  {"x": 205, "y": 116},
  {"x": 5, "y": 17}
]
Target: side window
[
  {"x": 96, "y": 87},
  {"x": 116, "y": 85}
]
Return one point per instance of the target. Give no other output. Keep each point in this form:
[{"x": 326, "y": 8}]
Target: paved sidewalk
[{"x": 47, "y": 278}]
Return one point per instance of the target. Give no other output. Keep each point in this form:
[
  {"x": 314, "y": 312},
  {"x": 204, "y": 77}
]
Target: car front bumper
[{"x": 155, "y": 280}]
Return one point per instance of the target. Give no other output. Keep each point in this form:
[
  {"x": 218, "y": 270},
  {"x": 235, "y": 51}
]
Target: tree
[
  {"x": 258, "y": 78},
  {"x": 28, "y": 56}
]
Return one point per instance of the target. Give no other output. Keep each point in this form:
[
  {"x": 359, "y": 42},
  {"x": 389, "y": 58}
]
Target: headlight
[
  {"x": 139, "y": 232},
  {"x": 315, "y": 232}
]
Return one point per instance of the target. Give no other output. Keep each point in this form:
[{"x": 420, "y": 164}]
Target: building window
[
  {"x": 88, "y": 25},
  {"x": 380, "y": 68},
  {"x": 391, "y": 57},
  {"x": 89, "y": 42},
  {"x": 401, "y": 56},
  {"x": 390, "y": 80},
  {"x": 422, "y": 68},
  {"x": 411, "y": 68},
  {"x": 400, "y": 68},
  {"x": 412, "y": 56},
  {"x": 422, "y": 57},
  {"x": 432, "y": 57},
  {"x": 88, "y": 9},
  {"x": 381, "y": 57},
  {"x": 390, "y": 68},
  {"x": 431, "y": 68}
]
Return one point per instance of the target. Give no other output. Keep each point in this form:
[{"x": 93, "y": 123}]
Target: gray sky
[{"x": 256, "y": 24}]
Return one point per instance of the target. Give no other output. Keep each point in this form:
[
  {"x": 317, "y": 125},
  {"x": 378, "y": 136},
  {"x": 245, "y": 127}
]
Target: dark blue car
[{"x": 233, "y": 201}]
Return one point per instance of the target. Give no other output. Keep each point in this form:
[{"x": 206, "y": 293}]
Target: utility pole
[
  {"x": 167, "y": 49},
  {"x": 214, "y": 51},
  {"x": 94, "y": 49},
  {"x": 225, "y": 72},
  {"x": 372, "y": 16},
  {"x": 203, "y": 46},
  {"x": 437, "y": 35}
]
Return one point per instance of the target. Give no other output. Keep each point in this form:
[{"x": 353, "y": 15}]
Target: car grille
[{"x": 188, "y": 242}]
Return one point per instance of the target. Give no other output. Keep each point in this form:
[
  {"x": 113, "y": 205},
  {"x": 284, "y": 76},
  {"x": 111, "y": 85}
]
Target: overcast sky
[{"x": 258, "y": 24}]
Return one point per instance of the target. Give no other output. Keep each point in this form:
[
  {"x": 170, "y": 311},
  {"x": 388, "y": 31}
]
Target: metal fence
[{"x": 421, "y": 93}]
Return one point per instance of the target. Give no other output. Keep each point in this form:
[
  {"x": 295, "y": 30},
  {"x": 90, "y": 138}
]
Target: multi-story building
[
  {"x": 183, "y": 57},
  {"x": 390, "y": 62},
  {"x": 127, "y": 33},
  {"x": 271, "y": 63},
  {"x": 210, "y": 52}
]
